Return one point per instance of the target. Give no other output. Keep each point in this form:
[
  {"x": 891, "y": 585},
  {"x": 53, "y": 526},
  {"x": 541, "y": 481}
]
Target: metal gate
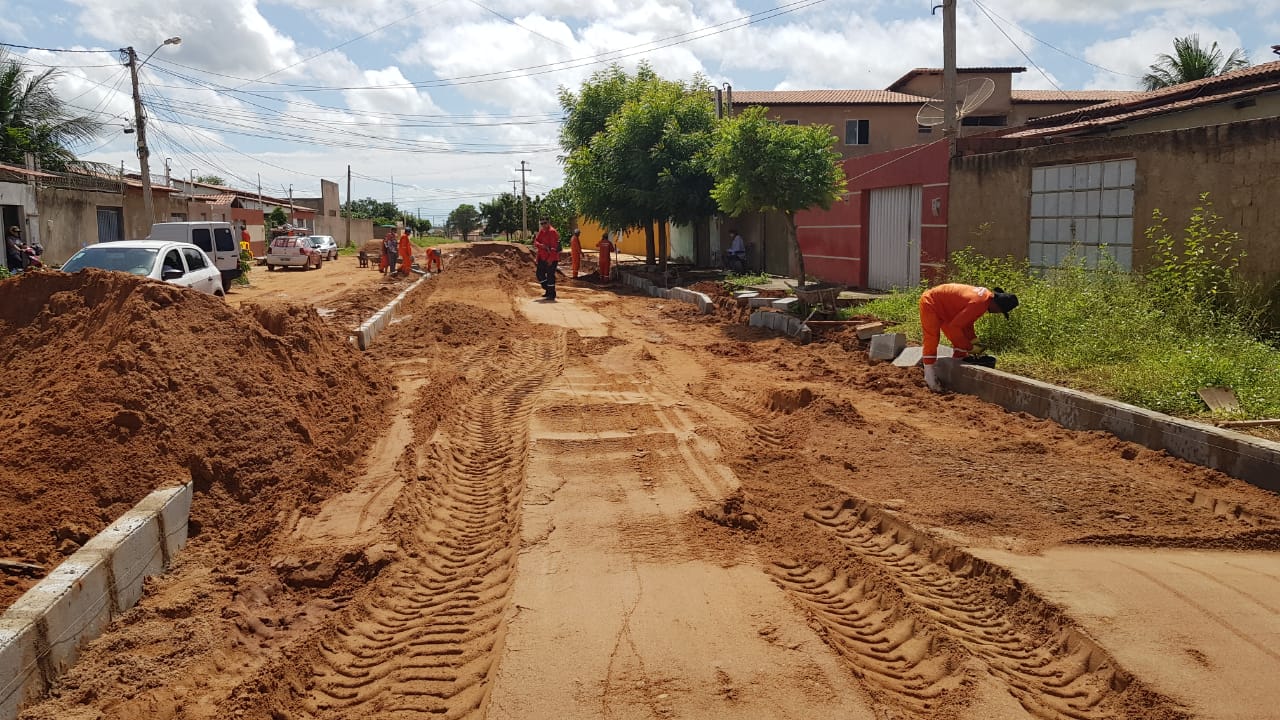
[
  {"x": 894, "y": 255},
  {"x": 110, "y": 224}
]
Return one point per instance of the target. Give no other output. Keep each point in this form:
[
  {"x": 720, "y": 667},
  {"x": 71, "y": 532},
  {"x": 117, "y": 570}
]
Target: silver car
[
  {"x": 325, "y": 245},
  {"x": 178, "y": 263}
]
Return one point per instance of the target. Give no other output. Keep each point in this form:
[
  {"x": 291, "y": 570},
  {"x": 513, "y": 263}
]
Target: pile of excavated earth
[{"x": 609, "y": 506}]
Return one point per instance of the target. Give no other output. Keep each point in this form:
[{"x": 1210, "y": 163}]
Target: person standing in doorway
[
  {"x": 575, "y": 251},
  {"x": 547, "y": 244},
  {"x": 14, "y": 256},
  {"x": 606, "y": 255},
  {"x": 737, "y": 255}
]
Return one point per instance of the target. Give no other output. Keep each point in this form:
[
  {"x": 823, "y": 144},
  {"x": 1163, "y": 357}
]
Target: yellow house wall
[{"x": 632, "y": 242}]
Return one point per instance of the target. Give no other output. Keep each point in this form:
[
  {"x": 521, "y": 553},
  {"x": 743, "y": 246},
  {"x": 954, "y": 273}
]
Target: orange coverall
[
  {"x": 606, "y": 252},
  {"x": 405, "y": 254},
  {"x": 434, "y": 261},
  {"x": 575, "y": 253},
  {"x": 952, "y": 308}
]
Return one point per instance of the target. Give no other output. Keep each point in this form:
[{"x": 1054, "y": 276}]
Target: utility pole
[
  {"x": 524, "y": 194},
  {"x": 950, "y": 124},
  {"x": 291, "y": 220},
  {"x": 168, "y": 175},
  {"x": 140, "y": 125},
  {"x": 349, "y": 243},
  {"x": 513, "y": 186}
]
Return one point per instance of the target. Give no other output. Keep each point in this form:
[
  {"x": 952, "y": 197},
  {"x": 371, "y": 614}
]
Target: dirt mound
[
  {"x": 118, "y": 385},
  {"x": 426, "y": 324},
  {"x": 511, "y": 255}
]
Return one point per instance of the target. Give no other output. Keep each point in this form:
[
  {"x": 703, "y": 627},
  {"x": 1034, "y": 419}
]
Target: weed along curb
[
  {"x": 369, "y": 329},
  {"x": 41, "y": 634},
  {"x": 1251, "y": 459}
]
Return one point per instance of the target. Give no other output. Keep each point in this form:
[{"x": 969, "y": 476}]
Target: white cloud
[{"x": 1134, "y": 53}]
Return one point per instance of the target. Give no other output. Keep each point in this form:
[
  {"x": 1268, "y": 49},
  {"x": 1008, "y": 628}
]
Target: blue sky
[{"x": 448, "y": 96}]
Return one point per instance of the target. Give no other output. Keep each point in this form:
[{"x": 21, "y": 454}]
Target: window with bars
[{"x": 857, "y": 132}]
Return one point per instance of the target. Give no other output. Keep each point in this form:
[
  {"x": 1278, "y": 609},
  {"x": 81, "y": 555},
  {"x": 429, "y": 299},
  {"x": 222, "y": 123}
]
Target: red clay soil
[{"x": 116, "y": 386}]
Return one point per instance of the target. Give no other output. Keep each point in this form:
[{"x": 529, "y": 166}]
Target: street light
[{"x": 140, "y": 120}]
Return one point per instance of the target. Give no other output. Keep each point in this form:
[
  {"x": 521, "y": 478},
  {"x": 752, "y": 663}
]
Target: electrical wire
[
  {"x": 513, "y": 22},
  {"x": 1050, "y": 45},
  {"x": 1019, "y": 47}
]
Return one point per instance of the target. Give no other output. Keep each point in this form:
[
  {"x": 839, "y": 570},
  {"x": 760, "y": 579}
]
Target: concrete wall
[
  {"x": 1236, "y": 163},
  {"x": 835, "y": 242},
  {"x": 890, "y": 126},
  {"x": 69, "y": 220}
]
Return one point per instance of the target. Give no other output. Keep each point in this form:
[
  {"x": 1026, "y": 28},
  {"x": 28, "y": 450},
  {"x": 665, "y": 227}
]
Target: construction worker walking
[
  {"x": 547, "y": 244},
  {"x": 606, "y": 252},
  {"x": 952, "y": 309},
  {"x": 575, "y": 251}
]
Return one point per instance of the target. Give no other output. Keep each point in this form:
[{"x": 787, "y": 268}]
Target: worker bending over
[
  {"x": 435, "y": 263},
  {"x": 953, "y": 309}
]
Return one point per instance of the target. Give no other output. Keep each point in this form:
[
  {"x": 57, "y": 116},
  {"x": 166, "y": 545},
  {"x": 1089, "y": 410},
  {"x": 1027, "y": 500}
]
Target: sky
[{"x": 434, "y": 103}]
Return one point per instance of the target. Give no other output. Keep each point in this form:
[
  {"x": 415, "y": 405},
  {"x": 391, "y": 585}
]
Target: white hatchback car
[
  {"x": 325, "y": 245},
  {"x": 178, "y": 263},
  {"x": 293, "y": 251}
]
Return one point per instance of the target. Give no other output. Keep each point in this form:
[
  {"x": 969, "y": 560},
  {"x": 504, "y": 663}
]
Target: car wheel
[{"x": 270, "y": 267}]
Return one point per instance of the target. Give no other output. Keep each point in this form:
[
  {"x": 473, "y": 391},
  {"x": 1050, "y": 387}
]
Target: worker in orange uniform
[
  {"x": 575, "y": 251},
  {"x": 547, "y": 243},
  {"x": 434, "y": 261},
  {"x": 606, "y": 253},
  {"x": 388, "y": 252},
  {"x": 953, "y": 308},
  {"x": 405, "y": 251}
]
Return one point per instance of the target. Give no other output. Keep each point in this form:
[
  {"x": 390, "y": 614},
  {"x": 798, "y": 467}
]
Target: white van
[{"x": 215, "y": 238}]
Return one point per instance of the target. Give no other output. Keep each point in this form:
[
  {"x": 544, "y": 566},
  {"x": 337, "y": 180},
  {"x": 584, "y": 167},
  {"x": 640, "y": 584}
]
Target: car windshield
[{"x": 137, "y": 261}]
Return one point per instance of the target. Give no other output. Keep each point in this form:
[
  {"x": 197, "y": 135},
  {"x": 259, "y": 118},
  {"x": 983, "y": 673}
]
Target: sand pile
[{"x": 116, "y": 386}]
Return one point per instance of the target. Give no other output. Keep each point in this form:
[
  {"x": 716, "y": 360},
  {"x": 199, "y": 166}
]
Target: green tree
[
  {"x": 382, "y": 213},
  {"x": 464, "y": 220},
  {"x": 558, "y": 207},
  {"x": 501, "y": 215},
  {"x": 647, "y": 164},
  {"x": 1190, "y": 61},
  {"x": 762, "y": 165},
  {"x": 277, "y": 218},
  {"x": 211, "y": 180},
  {"x": 34, "y": 120}
]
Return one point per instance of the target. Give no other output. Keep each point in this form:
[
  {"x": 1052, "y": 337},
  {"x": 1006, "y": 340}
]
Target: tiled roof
[
  {"x": 1190, "y": 94},
  {"x": 1141, "y": 112},
  {"x": 1052, "y": 96},
  {"x": 23, "y": 171},
  {"x": 962, "y": 71},
  {"x": 216, "y": 199},
  {"x": 823, "y": 97}
]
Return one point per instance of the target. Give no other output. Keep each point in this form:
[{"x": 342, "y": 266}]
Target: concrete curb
[
  {"x": 364, "y": 335},
  {"x": 702, "y": 300},
  {"x": 41, "y": 634},
  {"x": 782, "y": 322},
  {"x": 1248, "y": 458}
]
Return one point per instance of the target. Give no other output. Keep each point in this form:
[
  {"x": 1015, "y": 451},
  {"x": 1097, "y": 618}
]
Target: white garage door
[{"x": 894, "y": 253}]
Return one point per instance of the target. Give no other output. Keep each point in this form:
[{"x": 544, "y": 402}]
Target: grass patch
[
  {"x": 742, "y": 282},
  {"x": 1150, "y": 340}
]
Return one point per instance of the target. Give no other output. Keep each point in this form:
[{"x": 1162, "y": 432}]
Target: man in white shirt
[{"x": 737, "y": 252}]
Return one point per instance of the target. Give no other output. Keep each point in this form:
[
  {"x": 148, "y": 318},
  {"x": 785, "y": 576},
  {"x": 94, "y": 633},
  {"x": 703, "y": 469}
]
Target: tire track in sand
[
  {"x": 1052, "y": 669},
  {"x": 423, "y": 641}
]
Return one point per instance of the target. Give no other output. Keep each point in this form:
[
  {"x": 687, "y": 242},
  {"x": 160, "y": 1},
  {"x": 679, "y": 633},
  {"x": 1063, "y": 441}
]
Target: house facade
[{"x": 1078, "y": 183}]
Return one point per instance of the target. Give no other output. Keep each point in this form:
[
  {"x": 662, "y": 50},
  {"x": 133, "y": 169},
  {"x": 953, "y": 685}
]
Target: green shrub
[{"x": 741, "y": 282}]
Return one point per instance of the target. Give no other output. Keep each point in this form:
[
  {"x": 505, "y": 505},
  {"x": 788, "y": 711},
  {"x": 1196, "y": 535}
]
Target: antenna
[{"x": 975, "y": 91}]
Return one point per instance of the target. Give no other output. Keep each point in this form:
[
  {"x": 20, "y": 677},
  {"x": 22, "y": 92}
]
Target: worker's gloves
[{"x": 931, "y": 378}]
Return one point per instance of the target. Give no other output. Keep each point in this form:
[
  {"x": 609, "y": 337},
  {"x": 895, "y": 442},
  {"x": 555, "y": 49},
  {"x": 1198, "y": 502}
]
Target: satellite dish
[{"x": 972, "y": 93}]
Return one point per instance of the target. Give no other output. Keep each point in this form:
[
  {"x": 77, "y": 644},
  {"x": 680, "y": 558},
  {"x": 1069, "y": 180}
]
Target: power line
[
  {"x": 1050, "y": 45},
  {"x": 56, "y": 50},
  {"x": 1019, "y": 47},
  {"x": 513, "y": 22}
]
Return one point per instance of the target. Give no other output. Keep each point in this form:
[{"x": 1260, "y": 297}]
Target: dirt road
[{"x": 613, "y": 507}]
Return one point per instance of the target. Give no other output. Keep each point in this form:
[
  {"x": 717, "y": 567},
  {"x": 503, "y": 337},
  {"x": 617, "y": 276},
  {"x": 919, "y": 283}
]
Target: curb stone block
[
  {"x": 887, "y": 346},
  {"x": 784, "y": 304},
  {"x": 20, "y": 677},
  {"x": 759, "y": 302}
]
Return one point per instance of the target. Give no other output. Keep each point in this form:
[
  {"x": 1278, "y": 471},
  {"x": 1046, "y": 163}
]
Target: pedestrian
[
  {"x": 15, "y": 257},
  {"x": 575, "y": 251},
  {"x": 405, "y": 253},
  {"x": 244, "y": 239},
  {"x": 388, "y": 263},
  {"x": 434, "y": 260},
  {"x": 953, "y": 308},
  {"x": 737, "y": 259},
  {"x": 547, "y": 244},
  {"x": 606, "y": 253}
]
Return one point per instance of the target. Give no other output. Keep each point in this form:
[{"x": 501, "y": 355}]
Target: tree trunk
[
  {"x": 795, "y": 243},
  {"x": 649, "y": 255},
  {"x": 662, "y": 245}
]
